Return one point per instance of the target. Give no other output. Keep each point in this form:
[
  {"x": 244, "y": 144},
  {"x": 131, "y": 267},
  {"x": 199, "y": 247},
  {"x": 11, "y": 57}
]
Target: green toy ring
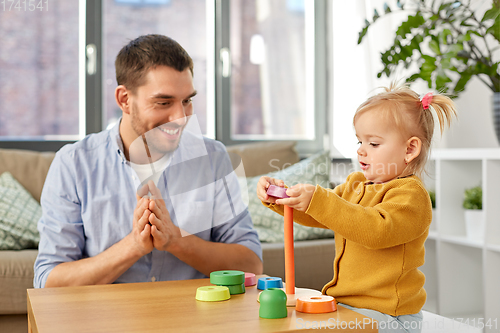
[
  {"x": 227, "y": 278},
  {"x": 236, "y": 289}
]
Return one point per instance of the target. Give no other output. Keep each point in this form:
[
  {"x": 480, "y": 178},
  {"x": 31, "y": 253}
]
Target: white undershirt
[{"x": 154, "y": 169}]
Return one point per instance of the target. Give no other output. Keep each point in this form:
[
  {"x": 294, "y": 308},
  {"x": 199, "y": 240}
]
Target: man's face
[{"x": 159, "y": 108}]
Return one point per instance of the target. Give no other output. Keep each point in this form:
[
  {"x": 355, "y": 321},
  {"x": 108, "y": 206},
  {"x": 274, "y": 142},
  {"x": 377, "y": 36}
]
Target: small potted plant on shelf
[
  {"x": 474, "y": 217},
  {"x": 432, "y": 195}
]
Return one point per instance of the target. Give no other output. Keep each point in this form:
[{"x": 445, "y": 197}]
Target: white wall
[{"x": 474, "y": 128}]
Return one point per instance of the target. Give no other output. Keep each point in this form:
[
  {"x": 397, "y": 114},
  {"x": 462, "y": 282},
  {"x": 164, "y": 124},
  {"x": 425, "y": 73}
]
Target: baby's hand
[
  {"x": 263, "y": 185},
  {"x": 300, "y": 197}
]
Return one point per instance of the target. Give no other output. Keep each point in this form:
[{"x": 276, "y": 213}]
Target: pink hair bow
[{"x": 426, "y": 100}]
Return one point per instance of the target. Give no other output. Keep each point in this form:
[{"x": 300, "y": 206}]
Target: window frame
[
  {"x": 223, "y": 84},
  {"x": 90, "y": 95},
  {"x": 91, "y": 116}
]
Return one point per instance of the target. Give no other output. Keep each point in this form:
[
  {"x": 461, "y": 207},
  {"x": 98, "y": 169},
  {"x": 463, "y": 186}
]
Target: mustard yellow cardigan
[{"x": 380, "y": 231}]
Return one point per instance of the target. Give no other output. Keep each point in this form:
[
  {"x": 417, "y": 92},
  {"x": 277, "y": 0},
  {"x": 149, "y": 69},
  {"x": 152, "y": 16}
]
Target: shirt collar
[{"x": 116, "y": 140}]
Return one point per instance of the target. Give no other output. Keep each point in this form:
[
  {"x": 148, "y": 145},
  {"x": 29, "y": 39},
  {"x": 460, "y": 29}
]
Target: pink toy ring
[
  {"x": 250, "y": 279},
  {"x": 277, "y": 192}
]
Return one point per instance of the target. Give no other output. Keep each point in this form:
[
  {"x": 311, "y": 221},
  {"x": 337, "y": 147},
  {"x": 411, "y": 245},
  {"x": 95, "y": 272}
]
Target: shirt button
[
  {"x": 153, "y": 279},
  {"x": 133, "y": 177}
]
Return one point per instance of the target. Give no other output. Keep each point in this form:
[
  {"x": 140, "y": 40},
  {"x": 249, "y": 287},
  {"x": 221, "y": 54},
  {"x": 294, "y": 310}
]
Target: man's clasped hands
[{"x": 152, "y": 226}]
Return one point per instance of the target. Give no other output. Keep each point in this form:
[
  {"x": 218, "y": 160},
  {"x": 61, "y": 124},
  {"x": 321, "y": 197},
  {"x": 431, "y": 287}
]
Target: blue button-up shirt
[{"x": 89, "y": 198}]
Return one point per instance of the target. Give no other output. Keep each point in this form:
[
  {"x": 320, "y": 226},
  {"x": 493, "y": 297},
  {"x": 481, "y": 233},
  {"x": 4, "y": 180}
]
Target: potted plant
[
  {"x": 432, "y": 195},
  {"x": 449, "y": 43},
  {"x": 474, "y": 216}
]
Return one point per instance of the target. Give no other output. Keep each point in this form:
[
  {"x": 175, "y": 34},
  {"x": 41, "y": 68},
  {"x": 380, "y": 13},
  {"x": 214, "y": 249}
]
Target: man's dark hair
[{"x": 146, "y": 52}]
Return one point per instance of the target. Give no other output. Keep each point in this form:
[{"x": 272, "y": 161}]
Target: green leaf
[
  {"x": 406, "y": 52},
  {"x": 385, "y": 71},
  {"x": 413, "y": 21},
  {"x": 426, "y": 69},
  {"x": 443, "y": 36},
  {"x": 444, "y": 6},
  {"x": 494, "y": 30},
  {"x": 413, "y": 77},
  {"x": 416, "y": 41},
  {"x": 434, "y": 45},
  {"x": 464, "y": 78},
  {"x": 464, "y": 38},
  {"x": 429, "y": 61},
  {"x": 441, "y": 80},
  {"x": 375, "y": 15},
  {"x": 494, "y": 69},
  {"x": 387, "y": 9},
  {"x": 384, "y": 56},
  {"x": 482, "y": 68},
  {"x": 362, "y": 34},
  {"x": 445, "y": 63},
  {"x": 491, "y": 14},
  {"x": 475, "y": 33},
  {"x": 434, "y": 17},
  {"x": 455, "y": 48}
]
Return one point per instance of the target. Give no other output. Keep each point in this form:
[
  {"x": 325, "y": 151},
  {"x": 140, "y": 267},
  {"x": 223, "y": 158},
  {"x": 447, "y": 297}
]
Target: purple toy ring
[{"x": 277, "y": 192}]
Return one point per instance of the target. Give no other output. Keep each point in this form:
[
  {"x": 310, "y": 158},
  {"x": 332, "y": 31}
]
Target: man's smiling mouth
[{"x": 169, "y": 131}]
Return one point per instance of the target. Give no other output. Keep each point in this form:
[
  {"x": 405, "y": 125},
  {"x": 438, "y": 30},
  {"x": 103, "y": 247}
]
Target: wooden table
[{"x": 167, "y": 307}]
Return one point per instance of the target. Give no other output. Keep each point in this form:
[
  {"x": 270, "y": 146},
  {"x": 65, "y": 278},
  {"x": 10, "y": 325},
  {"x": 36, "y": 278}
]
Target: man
[{"x": 96, "y": 229}]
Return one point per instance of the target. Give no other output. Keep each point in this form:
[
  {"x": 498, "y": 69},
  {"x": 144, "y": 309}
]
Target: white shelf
[
  {"x": 430, "y": 305},
  {"x": 462, "y": 273},
  {"x": 463, "y": 240},
  {"x": 466, "y": 154},
  {"x": 493, "y": 247},
  {"x": 433, "y": 235}
]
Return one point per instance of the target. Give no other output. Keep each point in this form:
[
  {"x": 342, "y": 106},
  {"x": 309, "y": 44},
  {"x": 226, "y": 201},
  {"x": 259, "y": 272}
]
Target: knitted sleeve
[
  {"x": 403, "y": 214},
  {"x": 301, "y": 217}
]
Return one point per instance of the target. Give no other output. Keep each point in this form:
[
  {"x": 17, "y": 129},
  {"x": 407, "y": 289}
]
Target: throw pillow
[
  {"x": 19, "y": 215},
  {"x": 269, "y": 225}
]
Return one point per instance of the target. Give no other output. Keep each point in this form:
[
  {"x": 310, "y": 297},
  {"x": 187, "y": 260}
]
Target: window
[
  {"x": 270, "y": 66},
  {"x": 268, "y": 81},
  {"x": 184, "y": 21},
  {"x": 39, "y": 88},
  {"x": 259, "y": 67}
]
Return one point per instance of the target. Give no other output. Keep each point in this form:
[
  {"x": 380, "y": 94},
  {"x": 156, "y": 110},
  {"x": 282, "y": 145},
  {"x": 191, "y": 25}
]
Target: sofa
[{"x": 313, "y": 258}]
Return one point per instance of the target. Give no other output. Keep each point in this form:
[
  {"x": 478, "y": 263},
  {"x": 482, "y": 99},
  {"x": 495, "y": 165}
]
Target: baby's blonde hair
[{"x": 402, "y": 106}]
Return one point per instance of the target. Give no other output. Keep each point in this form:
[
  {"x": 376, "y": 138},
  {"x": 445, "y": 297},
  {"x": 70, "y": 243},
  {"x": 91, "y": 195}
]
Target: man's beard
[{"x": 156, "y": 144}]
